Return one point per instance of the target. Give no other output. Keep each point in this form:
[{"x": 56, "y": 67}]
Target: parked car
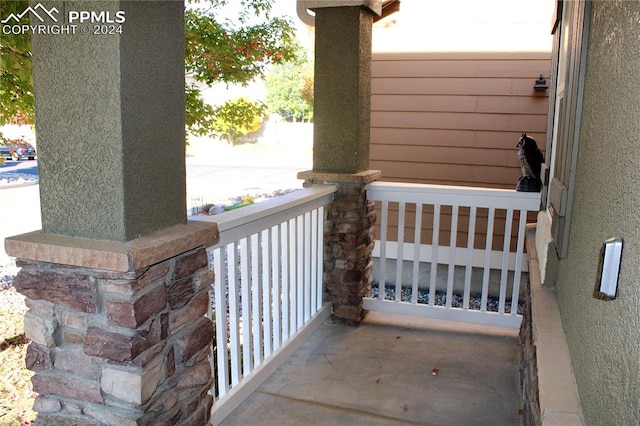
[{"x": 17, "y": 150}]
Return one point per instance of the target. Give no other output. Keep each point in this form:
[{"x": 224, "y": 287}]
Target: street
[
  {"x": 210, "y": 183},
  {"x": 26, "y": 169},
  {"x": 20, "y": 205}
]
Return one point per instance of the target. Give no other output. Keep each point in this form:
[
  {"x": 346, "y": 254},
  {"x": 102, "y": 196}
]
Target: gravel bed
[
  {"x": 10, "y": 299},
  {"x": 206, "y": 208},
  {"x": 441, "y": 299},
  {"x": 6, "y": 280}
]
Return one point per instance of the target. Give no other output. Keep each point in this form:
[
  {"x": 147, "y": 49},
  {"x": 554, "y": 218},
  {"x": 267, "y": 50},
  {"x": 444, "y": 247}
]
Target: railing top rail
[
  {"x": 453, "y": 195},
  {"x": 240, "y": 223}
]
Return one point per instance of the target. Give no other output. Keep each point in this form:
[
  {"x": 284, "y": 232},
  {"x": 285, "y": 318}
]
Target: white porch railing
[
  {"x": 268, "y": 289},
  {"x": 463, "y": 203}
]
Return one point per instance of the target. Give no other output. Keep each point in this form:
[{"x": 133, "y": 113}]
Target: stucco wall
[{"x": 604, "y": 337}]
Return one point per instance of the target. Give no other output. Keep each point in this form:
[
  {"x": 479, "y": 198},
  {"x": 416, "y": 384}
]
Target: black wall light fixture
[{"x": 541, "y": 84}]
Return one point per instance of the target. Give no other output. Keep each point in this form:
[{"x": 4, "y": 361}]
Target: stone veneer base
[
  {"x": 119, "y": 331},
  {"x": 349, "y": 240}
]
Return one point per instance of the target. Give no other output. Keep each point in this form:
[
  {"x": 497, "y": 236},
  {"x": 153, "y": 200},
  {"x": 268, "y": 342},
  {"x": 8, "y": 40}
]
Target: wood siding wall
[{"x": 454, "y": 118}]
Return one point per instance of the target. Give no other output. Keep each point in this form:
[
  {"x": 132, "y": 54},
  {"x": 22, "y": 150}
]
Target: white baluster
[
  {"x": 416, "y": 253},
  {"x": 469, "y": 261}
]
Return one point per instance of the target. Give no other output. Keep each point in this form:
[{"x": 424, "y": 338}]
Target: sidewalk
[{"x": 393, "y": 371}]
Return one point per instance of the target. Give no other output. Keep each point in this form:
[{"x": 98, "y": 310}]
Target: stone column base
[
  {"x": 119, "y": 332},
  {"x": 349, "y": 239}
]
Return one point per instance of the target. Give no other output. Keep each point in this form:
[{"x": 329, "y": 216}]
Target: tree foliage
[
  {"x": 217, "y": 50},
  {"x": 222, "y": 51},
  {"x": 290, "y": 88},
  {"x": 16, "y": 82},
  {"x": 236, "y": 119}
]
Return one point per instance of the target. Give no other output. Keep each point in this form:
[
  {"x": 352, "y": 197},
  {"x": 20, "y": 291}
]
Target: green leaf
[{"x": 290, "y": 88}]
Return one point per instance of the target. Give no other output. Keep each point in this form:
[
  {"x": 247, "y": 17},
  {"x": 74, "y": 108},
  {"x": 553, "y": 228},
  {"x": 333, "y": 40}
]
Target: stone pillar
[
  {"x": 119, "y": 332},
  {"x": 117, "y": 282},
  {"x": 342, "y": 109},
  {"x": 348, "y": 243}
]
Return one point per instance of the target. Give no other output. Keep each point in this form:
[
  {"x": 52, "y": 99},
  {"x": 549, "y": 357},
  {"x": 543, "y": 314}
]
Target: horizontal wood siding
[
  {"x": 454, "y": 118},
  {"x": 445, "y": 226}
]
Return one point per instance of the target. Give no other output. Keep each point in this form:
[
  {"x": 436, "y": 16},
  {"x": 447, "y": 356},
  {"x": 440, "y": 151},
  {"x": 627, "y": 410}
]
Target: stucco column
[
  {"x": 342, "y": 105},
  {"x": 117, "y": 282},
  {"x": 110, "y": 121},
  {"x": 341, "y": 148}
]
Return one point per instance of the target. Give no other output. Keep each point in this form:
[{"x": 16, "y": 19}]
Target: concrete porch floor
[{"x": 393, "y": 370}]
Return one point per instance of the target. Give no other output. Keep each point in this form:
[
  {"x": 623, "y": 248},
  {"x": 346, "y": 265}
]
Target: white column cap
[{"x": 303, "y": 7}]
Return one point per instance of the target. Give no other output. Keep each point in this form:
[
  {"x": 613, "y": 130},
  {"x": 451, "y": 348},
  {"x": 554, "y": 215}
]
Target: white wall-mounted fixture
[{"x": 609, "y": 269}]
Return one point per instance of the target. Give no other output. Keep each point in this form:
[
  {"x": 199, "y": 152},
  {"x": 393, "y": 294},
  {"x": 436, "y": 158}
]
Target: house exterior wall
[
  {"x": 454, "y": 118},
  {"x": 603, "y": 336}
]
